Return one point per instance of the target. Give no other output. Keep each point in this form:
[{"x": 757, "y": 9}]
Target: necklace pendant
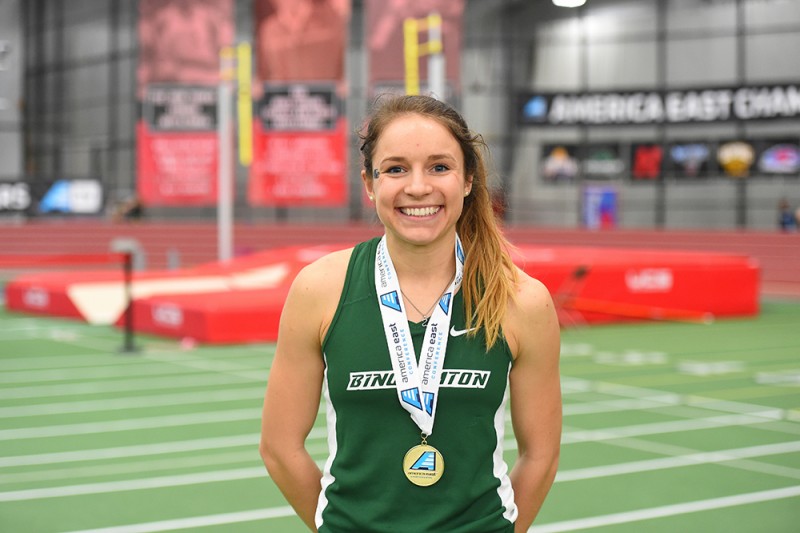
[{"x": 425, "y": 321}]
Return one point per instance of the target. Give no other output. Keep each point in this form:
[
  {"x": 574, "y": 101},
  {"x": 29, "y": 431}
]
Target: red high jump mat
[{"x": 241, "y": 301}]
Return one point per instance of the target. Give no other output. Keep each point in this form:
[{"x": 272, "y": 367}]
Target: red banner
[
  {"x": 386, "y": 45},
  {"x": 178, "y": 74},
  {"x": 300, "y": 133}
]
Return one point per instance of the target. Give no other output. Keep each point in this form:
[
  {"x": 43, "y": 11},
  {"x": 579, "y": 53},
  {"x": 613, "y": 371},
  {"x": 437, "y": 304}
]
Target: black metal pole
[{"x": 128, "y": 346}]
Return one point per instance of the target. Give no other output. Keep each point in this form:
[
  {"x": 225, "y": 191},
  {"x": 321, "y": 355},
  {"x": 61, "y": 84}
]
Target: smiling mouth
[{"x": 419, "y": 211}]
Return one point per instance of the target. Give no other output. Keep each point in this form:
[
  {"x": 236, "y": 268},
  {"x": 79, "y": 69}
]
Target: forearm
[
  {"x": 298, "y": 478},
  {"x": 531, "y": 479}
]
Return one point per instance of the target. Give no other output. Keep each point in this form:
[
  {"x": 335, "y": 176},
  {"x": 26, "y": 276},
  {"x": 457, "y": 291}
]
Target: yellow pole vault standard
[
  {"x": 433, "y": 48},
  {"x": 411, "y": 49},
  {"x": 244, "y": 103}
]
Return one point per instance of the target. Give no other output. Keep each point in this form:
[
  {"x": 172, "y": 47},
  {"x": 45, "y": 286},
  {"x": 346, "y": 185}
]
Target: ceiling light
[{"x": 569, "y": 3}]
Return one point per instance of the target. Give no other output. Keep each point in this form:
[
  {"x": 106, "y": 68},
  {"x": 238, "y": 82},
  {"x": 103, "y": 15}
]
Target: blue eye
[
  {"x": 440, "y": 167},
  {"x": 394, "y": 170}
]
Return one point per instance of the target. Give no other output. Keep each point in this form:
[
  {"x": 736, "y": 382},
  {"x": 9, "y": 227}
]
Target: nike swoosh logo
[{"x": 458, "y": 332}]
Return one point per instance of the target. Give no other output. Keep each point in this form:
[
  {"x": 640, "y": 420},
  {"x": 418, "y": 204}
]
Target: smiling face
[{"x": 420, "y": 185}]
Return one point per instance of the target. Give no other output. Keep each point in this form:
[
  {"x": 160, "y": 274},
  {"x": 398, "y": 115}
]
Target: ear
[
  {"x": 468, "y": 186},
  {"x": 368, "y": 184}
]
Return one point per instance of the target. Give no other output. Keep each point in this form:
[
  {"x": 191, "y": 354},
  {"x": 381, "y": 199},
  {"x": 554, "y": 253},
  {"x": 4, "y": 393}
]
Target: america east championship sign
[{"x": 607, "y": 108}]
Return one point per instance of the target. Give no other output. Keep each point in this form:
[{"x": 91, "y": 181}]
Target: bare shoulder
[
  {"x": 531, "y": 291},
  {"x": 316, "y": 289},
  {"x": 323, "y": 276},
  {"x": 531, "y": 316},
  {"x": 323, "y": 268}
]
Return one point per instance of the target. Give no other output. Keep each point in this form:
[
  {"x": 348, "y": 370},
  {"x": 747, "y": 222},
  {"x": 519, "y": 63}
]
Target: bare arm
[
  {"x": 293, "y": 391},
  {"x": 535, "y": 398}
]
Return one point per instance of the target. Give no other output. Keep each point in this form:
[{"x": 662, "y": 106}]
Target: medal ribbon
[{"x": 417, "y": 384}]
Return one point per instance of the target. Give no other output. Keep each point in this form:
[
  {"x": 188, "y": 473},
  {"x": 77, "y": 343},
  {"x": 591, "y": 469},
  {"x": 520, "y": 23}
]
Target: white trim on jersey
[
  {"x": 327, "y": 477},
  {"x": 505, "y": 491}
]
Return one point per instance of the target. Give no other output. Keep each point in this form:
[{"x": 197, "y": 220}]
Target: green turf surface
[{"x": 668, "y": 427}]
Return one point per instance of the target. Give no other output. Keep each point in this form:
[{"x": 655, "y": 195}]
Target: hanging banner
[
  {"x": 300, "y": 131},
  {"x": 178, "y": 76},
  {"x": 11, "y": 78},
  {"x": 387, "y": 46}
]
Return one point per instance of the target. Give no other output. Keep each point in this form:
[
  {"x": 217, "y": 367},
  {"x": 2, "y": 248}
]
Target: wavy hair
[{"x": 489, "y": 273}]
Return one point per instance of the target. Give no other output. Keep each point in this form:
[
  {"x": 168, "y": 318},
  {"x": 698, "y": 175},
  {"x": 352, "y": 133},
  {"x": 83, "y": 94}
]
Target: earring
[
  {"x": 371, "y": 198},
  {"x": 466, "y": 193}
]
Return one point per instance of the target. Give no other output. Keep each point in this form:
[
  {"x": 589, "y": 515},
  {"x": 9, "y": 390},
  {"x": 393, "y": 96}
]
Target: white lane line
[
  {"x": 35, "y": 377},
  {"x": 569, "y": 437},
  {"x": 223, "y": 367},
  {"x": 121, "y": 385},
  {"x": 691, "y": 459},
  {"x": 636, "y": 430},
  {"x": 667, "y": 510},
  {"x": 118, "y": 452},
  {"x": 555, "y": 527},
  {"x": 133, "y": 402},
  {"x": 134, "y": 484},
  {"x": 608, "y": 406},
  {"x": 211, "y": 417},
  {"x": 181, "y": 446},
  {"x": 187, "y": 419},
  {"x": 149, "y": 364},
  {"x": 73, "y": 474},
  {"x": 197, "y": 521},
  {"x": 692, "y": 400},
  {"x": 730, "y": 457},
  {"x": 50, "y": 362},
  {"x": 223, "y": 395}
]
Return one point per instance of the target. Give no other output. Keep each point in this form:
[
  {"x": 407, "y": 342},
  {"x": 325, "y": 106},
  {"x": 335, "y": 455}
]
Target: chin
[{"x": 419, "y": 235}]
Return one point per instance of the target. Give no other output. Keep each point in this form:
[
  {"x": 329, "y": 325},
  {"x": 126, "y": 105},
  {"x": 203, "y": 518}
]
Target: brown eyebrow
[
  {"x": 403, "y": 160},
  {"x": 442, "y": 156}
]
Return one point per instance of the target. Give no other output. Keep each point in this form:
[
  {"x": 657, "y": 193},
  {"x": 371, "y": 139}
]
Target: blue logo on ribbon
[
  {"x": 444, "y": 302},
  {"x": 459, "y": 252},
  {"x": 428, "y": 398},
  {"x": 411, "y": 397},
  {"x": 391, "y": 300}
]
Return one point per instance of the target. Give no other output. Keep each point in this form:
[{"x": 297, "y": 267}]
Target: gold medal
[{"x": 423, "y": 465}]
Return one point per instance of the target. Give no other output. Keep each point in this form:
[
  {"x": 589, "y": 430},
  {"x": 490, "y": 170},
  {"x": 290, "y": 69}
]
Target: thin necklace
[{"x": 426, "y": 316}]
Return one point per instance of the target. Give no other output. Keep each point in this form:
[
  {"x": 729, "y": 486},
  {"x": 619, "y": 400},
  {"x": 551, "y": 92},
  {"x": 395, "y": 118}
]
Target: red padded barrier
[
  {"x": 241, "y": 301},
  {"x": 604, "y": 284}
]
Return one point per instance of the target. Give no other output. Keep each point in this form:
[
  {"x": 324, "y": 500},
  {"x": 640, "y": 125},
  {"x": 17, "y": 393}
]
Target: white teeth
[{"x": 419, "y": 211}]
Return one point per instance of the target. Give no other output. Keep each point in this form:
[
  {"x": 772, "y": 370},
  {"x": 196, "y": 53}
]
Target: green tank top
[{"x": 364, "y": 488}]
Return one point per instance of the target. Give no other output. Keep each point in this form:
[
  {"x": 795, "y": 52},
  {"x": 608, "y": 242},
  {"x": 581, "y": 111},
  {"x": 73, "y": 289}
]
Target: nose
[{"x": 418, "y": 183}]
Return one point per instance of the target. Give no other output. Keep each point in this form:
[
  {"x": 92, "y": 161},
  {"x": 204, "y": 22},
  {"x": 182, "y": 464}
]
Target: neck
[
  {"x": 424, "y": 273},
  {"x": 430, "y": 262}
]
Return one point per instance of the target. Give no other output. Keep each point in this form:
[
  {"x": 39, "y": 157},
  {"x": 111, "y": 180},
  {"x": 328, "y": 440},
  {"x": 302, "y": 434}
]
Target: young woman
[{"x": 417, "y": 339}]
